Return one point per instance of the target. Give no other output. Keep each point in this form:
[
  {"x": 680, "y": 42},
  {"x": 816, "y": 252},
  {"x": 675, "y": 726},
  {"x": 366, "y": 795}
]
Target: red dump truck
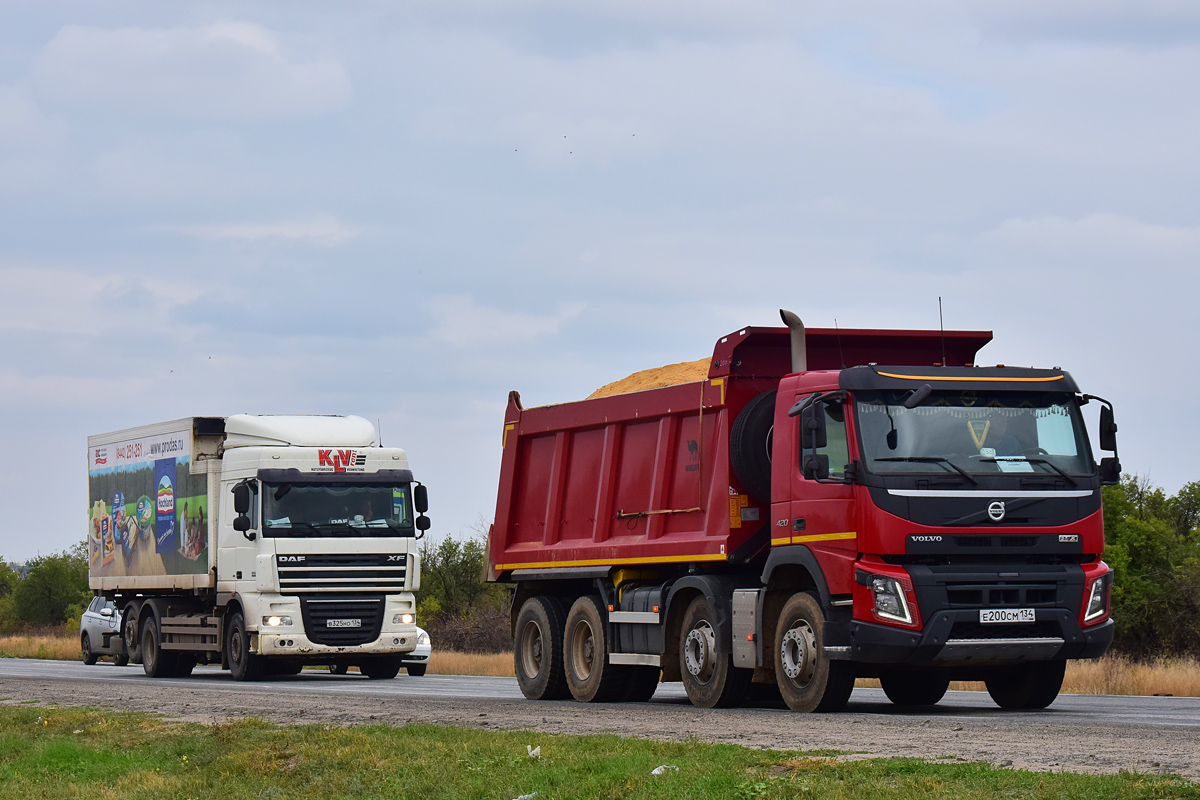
[{"x": 825, "y": 505}]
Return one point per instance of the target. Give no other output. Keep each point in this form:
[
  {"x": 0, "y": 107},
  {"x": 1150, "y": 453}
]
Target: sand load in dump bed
[{"x": 670, "y": 375}]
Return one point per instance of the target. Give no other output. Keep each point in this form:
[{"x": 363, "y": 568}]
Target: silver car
[
  {"x": 100, "y": 633},
  {"x": 415, "y": 662}
]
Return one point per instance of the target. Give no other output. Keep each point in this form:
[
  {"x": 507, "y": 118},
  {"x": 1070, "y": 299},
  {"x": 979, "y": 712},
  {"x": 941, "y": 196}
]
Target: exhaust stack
[{"x": 799, "y": 347}]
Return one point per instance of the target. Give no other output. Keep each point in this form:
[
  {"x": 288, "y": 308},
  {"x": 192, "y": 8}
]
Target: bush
[
  {"x": 54, "y": 589},
  {"x": 461, "y": 611}
]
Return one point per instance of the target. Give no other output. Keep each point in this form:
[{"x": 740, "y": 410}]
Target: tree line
[{"x": 1152, "y": 542}]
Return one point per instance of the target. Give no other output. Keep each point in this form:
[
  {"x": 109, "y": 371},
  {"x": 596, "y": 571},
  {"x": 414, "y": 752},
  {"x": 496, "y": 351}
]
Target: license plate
[
  {"x": 1007, "y": 615},
  {"x": 343, "y": 623}
]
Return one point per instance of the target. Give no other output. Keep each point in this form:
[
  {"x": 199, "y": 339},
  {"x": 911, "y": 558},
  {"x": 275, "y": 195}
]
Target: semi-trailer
[
  {"x": 260, "y": 543},
  {"x": 824, "y": 505}
]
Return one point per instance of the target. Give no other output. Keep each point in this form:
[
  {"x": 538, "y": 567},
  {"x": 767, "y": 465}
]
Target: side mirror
[
  {"x": 816, "y": 467},
  {"x": 106, "y": 612},
  {"x": 1108, "y": 430},
  {"x": 241, "y": 500},
  {"x": 1110, "y": 471},
  {"x": 241, "y": 524},
  {"x": 422, "y": 523},
  {"x": 812, "y": 427},
  {"x": 420, "y": 498}
]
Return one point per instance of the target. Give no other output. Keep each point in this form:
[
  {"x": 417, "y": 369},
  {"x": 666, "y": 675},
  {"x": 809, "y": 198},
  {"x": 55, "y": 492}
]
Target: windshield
[
  {"x": 337, "y": 509},
  {"x": 977, "y": 433}
]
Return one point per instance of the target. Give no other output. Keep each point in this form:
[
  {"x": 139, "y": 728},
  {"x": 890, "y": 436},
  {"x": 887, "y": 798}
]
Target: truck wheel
[
  {"x": 129, "y": 631},
  {"x": 157, "y": 663},
  {"x": 750, "y": 446},
  {"x": 184, "y": 664},
  {"x": 380, "y": 668},
  {"x": 807, "y": 679},
  {"x": 585, "y": 655},
  {"x": 538, "y": 650},
  {"x": 914, "y": 688},
  {"x": 85, "y": 649},
  {"x": 416, "y": 670},
  {"x": 709, "y": 677},
  {"x": 641, "y": 685},
  {"x": 121, "y": 660},
  {"x": 243, "y": 665},
  {"x": 1031, "y": 685}
]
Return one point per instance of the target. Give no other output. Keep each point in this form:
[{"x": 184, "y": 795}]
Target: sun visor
[{"x": 976, "y": 379}]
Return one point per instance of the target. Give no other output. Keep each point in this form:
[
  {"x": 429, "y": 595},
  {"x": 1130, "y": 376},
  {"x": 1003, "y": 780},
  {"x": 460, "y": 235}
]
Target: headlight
[
  {"x": 402, "y": 619},
  {"x": 276, "y": 621},
  {"x": 1098, "y": 598},
  {"x": 422, "y": 638},
  {"x": 889, "y": 599}
]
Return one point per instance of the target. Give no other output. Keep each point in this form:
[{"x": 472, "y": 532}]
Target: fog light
[
  {"x": 889, "y": 599},
  {"x": 276, "y": 621},
  {"x": 402, "y": 619}
]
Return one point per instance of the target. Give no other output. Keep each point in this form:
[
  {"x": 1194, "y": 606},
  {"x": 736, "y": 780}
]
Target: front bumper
[
  {"x": 396, "y": 642},
  {"x": 954, "y": 636}
]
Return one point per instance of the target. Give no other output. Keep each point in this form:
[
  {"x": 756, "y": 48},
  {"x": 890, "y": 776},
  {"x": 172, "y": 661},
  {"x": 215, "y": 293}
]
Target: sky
[{"x": 405, "y": 210}]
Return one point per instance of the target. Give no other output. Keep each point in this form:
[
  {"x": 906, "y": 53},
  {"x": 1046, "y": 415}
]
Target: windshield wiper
[
  {"x": 933, "y": 460},
  {"x": 353, "y": 530},
  {"x": 391, "y": 524},
  {"x": 1027, "y": 460},
  {"x": 296, "y": 526}
]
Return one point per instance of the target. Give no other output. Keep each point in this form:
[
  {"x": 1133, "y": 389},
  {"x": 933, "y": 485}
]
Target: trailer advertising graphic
[{"x": 148, "y": 515}]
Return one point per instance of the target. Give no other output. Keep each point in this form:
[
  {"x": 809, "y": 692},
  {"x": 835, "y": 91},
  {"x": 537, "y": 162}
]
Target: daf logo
[
  {"x": 291, "y": 559},
  {"x": 916, "y": 538},
  {"x": 396, "y": 558},
  {"x": 995, "y": 510}
]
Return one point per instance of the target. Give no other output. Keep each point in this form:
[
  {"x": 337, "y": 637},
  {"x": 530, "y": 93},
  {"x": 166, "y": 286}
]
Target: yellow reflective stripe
[
  {"x": 603, "y": 562},
  {"x": 504, "y": 440},
  {"x": 721, "y": 383},
  {"x": 816, "y": 537},
  {"x": 963, "y": 379}
]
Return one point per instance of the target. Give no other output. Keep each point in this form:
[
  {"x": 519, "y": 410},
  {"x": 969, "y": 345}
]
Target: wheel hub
[
  {"x": 698, "y": 651},
  {"x": 799, "y": 653}
]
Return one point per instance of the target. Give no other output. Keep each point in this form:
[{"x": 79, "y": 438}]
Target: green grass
[{"x": 75, "y": 753}]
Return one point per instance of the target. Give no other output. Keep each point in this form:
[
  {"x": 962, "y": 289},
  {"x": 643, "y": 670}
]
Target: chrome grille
[{"x": 342, "y": 572}]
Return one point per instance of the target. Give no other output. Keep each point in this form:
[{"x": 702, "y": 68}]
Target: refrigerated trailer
[
  {"x": 824, "y": 505},
  {"x": 261, "y": 543}
]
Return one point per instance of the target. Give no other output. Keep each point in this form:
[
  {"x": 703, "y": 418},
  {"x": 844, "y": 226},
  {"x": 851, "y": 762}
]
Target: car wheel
[
  {"x": 380, "y": 669},
  {"x": 914, "y": 688},
  {"x": 85, "y": 649},
  {"x": 417, "y": 670},
  {"x": 243, "y": 665},
  {"x": 121, "y": 660},
  {"x": 338, "y": 669}
]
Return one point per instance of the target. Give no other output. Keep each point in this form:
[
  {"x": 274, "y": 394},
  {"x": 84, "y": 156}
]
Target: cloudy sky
[{"x": 404, "y": 210}]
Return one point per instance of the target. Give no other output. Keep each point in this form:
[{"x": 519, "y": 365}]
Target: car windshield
[
  {"x": 977, "y": 433},
  {"x": 337, "y": 509}
]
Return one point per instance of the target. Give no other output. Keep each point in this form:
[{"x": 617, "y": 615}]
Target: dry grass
[
  {"x": 493, "y": 665},
  {"x": 1112, "y": 674},
  {"x": 58, "y": 647}
]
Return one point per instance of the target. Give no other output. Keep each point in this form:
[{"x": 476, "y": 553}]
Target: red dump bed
[{"x": 644, "y": 477}]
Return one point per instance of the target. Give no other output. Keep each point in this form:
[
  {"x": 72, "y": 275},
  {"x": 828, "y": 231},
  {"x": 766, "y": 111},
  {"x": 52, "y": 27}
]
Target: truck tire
[
  {"x": 338, "y": 669},
  {"x": 807, "y": 679},
  {"x": 85, "y": 650},
  {"x": 1032, "y": 685},
  {"x": 590, "y": 677},
  {"x": 157, "y": 663},
  {"x": 641, "y": 684},
  {"x": 538, "y": 649},
  {"x": 750, "y": 446},
  {"x": 121, "y": 660},
  {"x": 129, "y": 632},
  {"x": 381, "y": 669},
  {"x": 243, "y": 665},
  {"x": 184, "y": 664},
  {"x": 709, "y": 677},
  {"x": 914, "y": 688}
]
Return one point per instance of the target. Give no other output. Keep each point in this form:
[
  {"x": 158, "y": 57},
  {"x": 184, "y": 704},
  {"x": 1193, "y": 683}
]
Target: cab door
[{"x": 823, "y": 514}]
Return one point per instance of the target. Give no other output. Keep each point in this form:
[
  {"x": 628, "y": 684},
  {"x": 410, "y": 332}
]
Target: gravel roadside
[{"x": 1024, "y": 741}]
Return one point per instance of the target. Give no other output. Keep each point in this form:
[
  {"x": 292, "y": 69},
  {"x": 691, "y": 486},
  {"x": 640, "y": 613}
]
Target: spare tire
[{"x": 750, "y": 446}]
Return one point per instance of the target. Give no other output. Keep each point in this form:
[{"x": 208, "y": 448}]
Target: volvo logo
[
  {"x": 917, "y": 538},
  {"x": 995, "y": 510}
]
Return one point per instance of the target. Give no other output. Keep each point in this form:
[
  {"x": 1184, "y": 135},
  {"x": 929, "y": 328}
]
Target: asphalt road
[{"x": 1078, "y": 732}]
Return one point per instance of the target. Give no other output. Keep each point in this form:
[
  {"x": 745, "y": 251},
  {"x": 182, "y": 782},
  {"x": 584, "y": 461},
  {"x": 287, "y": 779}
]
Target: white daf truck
[{"x": 262, "y": 543}]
